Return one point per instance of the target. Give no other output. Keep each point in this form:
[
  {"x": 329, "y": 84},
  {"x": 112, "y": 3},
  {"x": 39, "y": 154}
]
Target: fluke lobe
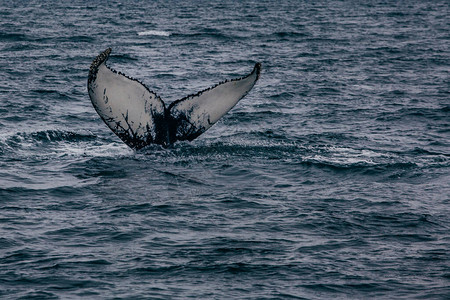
[{"x": 139, "y": 117}]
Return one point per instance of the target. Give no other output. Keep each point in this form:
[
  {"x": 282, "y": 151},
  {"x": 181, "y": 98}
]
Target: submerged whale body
[{"x": 139, "y": 117}]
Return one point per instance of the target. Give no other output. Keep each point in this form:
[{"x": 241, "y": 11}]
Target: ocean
[{"x": 329, "y": 180}]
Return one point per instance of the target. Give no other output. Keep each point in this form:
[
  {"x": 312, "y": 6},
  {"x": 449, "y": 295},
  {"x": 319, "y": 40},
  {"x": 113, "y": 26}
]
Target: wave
[
  {"x": 308, "y": 150},
  {"x": 41, "y": 141},
  {"x": 242, "y": 147},
  {"x": 13, "y": 37},
  {"x": 154, "y": 33},
  {"x": 51, "y": 135},
  {"x": 206, "y": 33}
]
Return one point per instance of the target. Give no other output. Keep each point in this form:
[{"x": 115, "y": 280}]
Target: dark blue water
[{"x": 329, "y": 180}]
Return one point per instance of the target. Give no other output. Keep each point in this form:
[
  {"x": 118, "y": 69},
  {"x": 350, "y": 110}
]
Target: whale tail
[{"x": 139, "y": 117}]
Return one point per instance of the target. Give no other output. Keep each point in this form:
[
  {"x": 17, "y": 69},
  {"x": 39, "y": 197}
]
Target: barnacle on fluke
[{"x": 139, "y": 117}]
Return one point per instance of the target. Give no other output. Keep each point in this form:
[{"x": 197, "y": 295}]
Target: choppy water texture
[{"x": 329, "y": 180}]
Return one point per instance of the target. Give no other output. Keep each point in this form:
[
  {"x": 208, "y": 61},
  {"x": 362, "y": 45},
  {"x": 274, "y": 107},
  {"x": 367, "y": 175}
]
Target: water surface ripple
[{"x": 329, "y": 180}]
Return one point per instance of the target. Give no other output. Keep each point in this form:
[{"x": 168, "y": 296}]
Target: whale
[{"x": 139, "y": 117}]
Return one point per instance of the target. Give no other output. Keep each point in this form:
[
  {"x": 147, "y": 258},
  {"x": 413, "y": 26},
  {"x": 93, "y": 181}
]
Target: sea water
[{"x": 329, "y": 180}]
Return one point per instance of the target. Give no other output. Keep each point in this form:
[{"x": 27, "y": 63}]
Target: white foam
[
  {"x": 87, "y": 150},
  {"x": 154, "y": 32},
  {"x": 343, "y": 156}
]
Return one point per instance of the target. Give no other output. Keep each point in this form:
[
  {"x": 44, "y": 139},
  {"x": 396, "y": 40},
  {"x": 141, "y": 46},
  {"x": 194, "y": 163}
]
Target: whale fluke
[{"x": 139, "y": 117}]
